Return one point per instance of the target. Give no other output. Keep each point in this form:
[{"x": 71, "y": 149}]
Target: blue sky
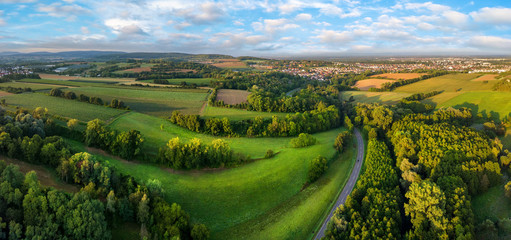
[{"x": 260, "y": 28}]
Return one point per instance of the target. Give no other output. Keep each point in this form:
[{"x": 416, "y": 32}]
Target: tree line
[
  {"x": 115, "y": 103},
  {"x": 195, "y": 154},
  {"x": 18, "y": 76},
  {"x": 321, "y": 119}
]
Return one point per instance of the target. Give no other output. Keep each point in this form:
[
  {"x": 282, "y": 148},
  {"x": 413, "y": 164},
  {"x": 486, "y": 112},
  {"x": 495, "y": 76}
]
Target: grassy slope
[
  {"x": 224, "y": 199},
  {"x": 492, "y": 204},
  {"x": 369, "y": 97},
  {"x": 155, "y": 137},
  {"x": 448, "y": 83},
  {"x": 63, "y": 107},
  {"x": 61, "y": 82},
  {"x": 157, "y": 103},
  {"x": 33, "y": 86},
  {"x": 497, "y": 102},
  {"x": 236, "y": 114}
]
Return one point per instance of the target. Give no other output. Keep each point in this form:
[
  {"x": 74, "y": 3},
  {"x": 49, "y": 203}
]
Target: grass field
[
  {"x": 65, "y": 78},
  {"x": 496, "y": 102},
  {"x": 367, "y": 84},
  {"x": 486, "y": 77},
  {"x": 397, "y": 76},
  {"x": 178, "y": 81},
  {"x": 236, "y": 114},
  {"x": 33, "y": 86},
  {"x": 231, "y": 96},
  {"x": 63, "y": 107},
  {"x": 266, "y": 191},
  {"x": 492, "y": 204},
  {"x": 154, "y": 137},
  {"x": 229, "y": 63},
  {"x": 62, "y": 83},
  {"x": 448, "y": 83},
  {"x": 157, "y": 103},
  {"x": 370, "y": 97}
]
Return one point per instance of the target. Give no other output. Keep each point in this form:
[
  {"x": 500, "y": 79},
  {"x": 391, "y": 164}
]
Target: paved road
[{"x": 349, "y": 185}]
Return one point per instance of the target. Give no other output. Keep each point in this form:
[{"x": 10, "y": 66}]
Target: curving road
[{"x": 349, "y": 185}]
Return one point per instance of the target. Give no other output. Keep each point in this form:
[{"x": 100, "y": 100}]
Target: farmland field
[
  {"x": 61, "y": 83},
  {"x": 247, "y": 201},
  {"x": 236, "y": 114},
  {"x": 229, "y": 63},
  {"x": 497, "y": 102},
  {"x": 65, "y": 78},
  {"x": 369, "y": 97},
  {"x": 449, "y": 83},
  {"x": 33, "y": 86},
  {"x": 177, "y": 81},
  {"x": 367, "y": 84},
  {"x": 230, "y": 96},
  {"x": 3, "y": 93},
  {"x": 157, "y": 103},
  {"x": 486, "y": 77},
  {"x": 63, "y": 107},
  {"x": 399, "y": 76}
]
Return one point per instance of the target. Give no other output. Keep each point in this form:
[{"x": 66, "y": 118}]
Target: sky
[{"x": 259, "y": 27}]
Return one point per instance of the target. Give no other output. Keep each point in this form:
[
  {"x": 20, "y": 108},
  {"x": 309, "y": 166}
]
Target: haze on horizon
[{"x": 259, "y": 28}]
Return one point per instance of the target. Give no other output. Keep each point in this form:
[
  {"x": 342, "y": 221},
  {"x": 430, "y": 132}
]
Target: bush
[
  {"x": 303, "y": 140},
  {"x": 317, "y": 167},
  {"x": 269, "y": 154},
  {"x": 340, "y": 141}
]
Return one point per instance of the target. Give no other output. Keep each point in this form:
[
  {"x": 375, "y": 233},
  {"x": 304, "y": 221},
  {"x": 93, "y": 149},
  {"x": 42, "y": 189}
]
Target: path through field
[{"x": 349, "y": 186}]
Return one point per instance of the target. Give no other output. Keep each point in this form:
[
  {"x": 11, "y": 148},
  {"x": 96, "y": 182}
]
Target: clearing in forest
[{"x": 231, "y": 96}]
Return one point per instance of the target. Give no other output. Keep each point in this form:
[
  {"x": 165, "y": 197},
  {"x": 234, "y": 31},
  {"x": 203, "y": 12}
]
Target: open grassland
[
  {"x": 267, "y": 191},
  {"x": 47, "y": 176},
  {"x": 33, "y": 86},
  {"x": 66, "y": 78},
  {"x": 492, "y": 205},
  {"x": 198, "y": 81},
  {"x": 231, "y": 96},
  {"x": 367, "y": 84},
  {"x": 370, "y": 97},
  {"x": 155, "y": 137},
  {"x": 399, "y": 76},
  {"x": 486, "y": 77},
  {"x": 157, "y": 103},
  {"x": 64, "y": 83},
  {"x": 448, "y": 83},
  {"x": 486, "y": 102},
  {"x": 63, "y": 107},
  {"x": 236, "y": 114}
]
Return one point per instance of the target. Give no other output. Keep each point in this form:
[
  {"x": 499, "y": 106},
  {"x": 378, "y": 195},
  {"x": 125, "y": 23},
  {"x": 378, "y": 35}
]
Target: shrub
[
  {"x": 303, "y": 140},
  {"x": 318, "y": 166},
  {"x": 269, "y": 154}
]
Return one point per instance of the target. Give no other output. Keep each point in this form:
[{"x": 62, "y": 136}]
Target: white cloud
[
  {"x": 303, "y": 17},
  {"x": 206, "y": 13},
  {"x": 272, "y": 26},
  {"x": 17, "y": 1},
  {"x": 455, "y": 18},
  {"x": 490, "y": 42},
  {"x": 85, "y": 30},
  {"x": 500, "y": 16},
  {"x": 334, "y": 37},
  {"x": 427, "y": 5},
  {"x": 238, "y": 23},
  {"x": 59, "y": 10}
]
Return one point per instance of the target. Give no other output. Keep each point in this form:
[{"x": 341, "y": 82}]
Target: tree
[
  {"x": 40, "y": 112},
  {"x": 72, "y": 123},
  {"x": 303, "y": 140},
  {"x": 127, "y": 144},
  {"x": 348, "y": 123},
  {"x": 200, "y": 232},
  {"x": 96, "y": 134},
  {"x": 56, "y": 92},
  {"x": 317, "y": 167},
  {"x": 508, "y": 189}
]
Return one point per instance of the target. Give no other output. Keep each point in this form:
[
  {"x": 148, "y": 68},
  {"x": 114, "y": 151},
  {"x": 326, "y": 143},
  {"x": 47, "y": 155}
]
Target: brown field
[
  {"x": 3, "y": 93},
  {"x": 43, "y": 175},
  {"x": 486, "y": 77},
  {"x": 229, "y": 63},
  {"x": 366, "y": 84},
  {"x": 138, "y": 70},
  {"x": 230, "y": 96},
  {"x": 399, "y": 76}
]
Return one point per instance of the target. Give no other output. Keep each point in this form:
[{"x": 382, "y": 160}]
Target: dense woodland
[{"x": 107, "y": 199}]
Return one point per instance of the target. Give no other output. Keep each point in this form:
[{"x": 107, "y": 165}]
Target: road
[{"x": 349, "y": 185}]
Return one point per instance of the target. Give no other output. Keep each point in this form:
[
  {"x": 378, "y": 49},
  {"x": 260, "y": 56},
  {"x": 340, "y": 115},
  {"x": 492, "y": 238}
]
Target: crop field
[
  {"x": 63, "y": 107},
  {"x": 486, "y": 77},
  {"x": 399, "y": 76},
  {"x": 454, "y": 82},
  {"x": 198, "y": 81},
  {"x": 259, "y": 199},
  {"x": 157, "y": 103},
  {"x": 370, "y": 97},
  {"x": 230, "y": 96},
  {"x": 366, "y": 84},
  {"x": 137, "y": 70},
  {"x": 236, "y": 114},
  {"x": 61, "y": 83},
  {"x": 3, "y": 93}
]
